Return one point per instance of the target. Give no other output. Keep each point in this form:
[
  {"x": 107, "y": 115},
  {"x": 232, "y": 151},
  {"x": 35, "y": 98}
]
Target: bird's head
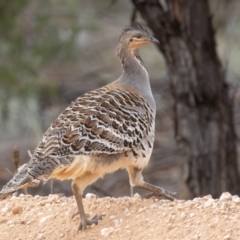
[{"x": 136, "y": 36}]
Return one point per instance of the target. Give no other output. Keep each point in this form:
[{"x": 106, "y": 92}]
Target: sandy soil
[{"x": 26, "y": 217}]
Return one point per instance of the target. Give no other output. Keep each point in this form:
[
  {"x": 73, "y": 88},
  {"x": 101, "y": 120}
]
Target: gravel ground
[{"x": 26, "y": 217}]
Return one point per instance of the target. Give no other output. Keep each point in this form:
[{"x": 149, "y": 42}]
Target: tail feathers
[{"x": 29, "y": 175}]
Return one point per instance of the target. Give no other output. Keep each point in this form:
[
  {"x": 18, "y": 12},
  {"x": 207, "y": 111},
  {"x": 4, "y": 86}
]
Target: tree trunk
[{"x": 203, "y": 109}]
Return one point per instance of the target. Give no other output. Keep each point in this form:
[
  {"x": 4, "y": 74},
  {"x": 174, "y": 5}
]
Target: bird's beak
[
  {"x": 144, "y": 41},
  {"x": 150, "y": 39},
  {"x": 154, "y": 40}
]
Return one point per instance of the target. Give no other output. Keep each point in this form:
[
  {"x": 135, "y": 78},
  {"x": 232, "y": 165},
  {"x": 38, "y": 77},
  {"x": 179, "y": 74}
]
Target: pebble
[
  {"x": 209, "y": 202},
  {"x": 153, "y": 206},
  {"x": 227, "y": 237},
  {"x": 73, "y": 212},
  {"x": 62, "y": 235},
  {"x": 127, "y": 212},
  {"x": 43, "y": 219},
  {"x": 6, "y": 209},
  {"x": 226, "y": 196},
  {"x": 209, "y": 196},
  {"x": 41, "y": 203},
  {"x": 17, "y": 209},
  {"x": 40, "y": 236},
  {"x": 235, "y": 199},
  {"x": 137, "y": 196},
  {"x": 3, "y": 220},
  {"x": 10, "y": 222},
  {"x": 224, "y": 206},
  {"x": 116, "y": 222},
  {"x": 140, "y": 210},
  {"x": 183, "y": 215},
  {"x": 107, "y": 231},
  {"x": 197, "y": 199},
  {"x": 90, "y": 196}
]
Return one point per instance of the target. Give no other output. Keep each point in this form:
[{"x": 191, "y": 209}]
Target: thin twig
[{"x": 15, "y": 159}]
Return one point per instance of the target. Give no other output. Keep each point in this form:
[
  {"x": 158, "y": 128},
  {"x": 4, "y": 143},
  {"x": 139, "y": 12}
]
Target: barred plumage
[{"x": 106, "y": 129}]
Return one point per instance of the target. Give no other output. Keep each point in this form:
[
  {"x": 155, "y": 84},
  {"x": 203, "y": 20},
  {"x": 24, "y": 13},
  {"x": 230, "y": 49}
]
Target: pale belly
[{"x": 100, "y": 165}]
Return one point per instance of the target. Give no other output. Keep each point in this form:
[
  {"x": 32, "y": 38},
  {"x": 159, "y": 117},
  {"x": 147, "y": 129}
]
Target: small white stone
[
  {"x": 40, "y": 236},
  {"x": 196, "y": 199},
  {"x": 140, "y": 210},
  {"x": 41, "y": 203},
  {"x": 10, "y": 222},
  {"x": 227, "y": 237},
  {"x": 43, "y": 219},
  {"x": 153, "y": 206},
  {"x": 116, "y": 222},
  {"x": 6, "y": 209},
  {"x": 106, "y": 231},
  {"x": 236, "y": 199},
  {"x": 224, "y": 206},
  {"x": 226, "y": 196},
  {"x": 209, "y": 196},
  {"x": 192, "y": 214},
  {"x": 112, "y": 217},
  {"x": 183, "y": 215},
  {"x": 90, "y": 196},
  {"x": 137, "y": 196},
  {"x": 209, "y": 202},
  {"x": 127, "y": 212}
]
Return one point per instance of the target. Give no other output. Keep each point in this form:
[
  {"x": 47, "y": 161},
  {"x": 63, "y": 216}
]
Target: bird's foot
[
  {"x": 86, "y": 222},
  {"x": 162, "y": 193}
]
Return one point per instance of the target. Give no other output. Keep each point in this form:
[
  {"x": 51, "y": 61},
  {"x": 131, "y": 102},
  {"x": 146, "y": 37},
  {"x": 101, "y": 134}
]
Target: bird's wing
[{"x": 102, "y": 121}]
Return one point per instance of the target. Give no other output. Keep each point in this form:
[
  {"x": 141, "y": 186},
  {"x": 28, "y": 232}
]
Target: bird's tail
[{"x": 29, "y": 175}]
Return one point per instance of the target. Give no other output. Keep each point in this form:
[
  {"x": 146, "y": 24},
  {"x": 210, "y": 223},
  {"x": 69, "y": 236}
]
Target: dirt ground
[{"x": 26, "y": 217}]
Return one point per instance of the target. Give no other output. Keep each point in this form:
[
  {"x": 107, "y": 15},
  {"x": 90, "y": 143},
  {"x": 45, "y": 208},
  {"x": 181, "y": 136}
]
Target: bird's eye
[
  {"x": 138, "y": 36},
  {"x": 131, "y": 40}
]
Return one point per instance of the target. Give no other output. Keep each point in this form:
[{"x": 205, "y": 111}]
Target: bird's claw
[{"x": 87, "y": 222}]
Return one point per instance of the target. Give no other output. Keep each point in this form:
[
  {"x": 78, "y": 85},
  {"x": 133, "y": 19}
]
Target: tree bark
[{"x": 203, "y": 108}]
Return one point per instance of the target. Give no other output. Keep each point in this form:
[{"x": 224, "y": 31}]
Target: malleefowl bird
[{"x": 104, "y": 130}]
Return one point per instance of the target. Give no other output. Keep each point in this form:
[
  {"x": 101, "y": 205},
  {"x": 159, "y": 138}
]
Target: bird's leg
[
  {"x": 84, "y": 222},
  {"x": 157, "y": 191},
  {"x": 136, "y": 179}
]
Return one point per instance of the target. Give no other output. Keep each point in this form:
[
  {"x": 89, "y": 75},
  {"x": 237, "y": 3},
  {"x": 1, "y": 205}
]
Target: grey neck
[
  {"x": 135, "y": 74},
  {"x": 133, "y": 66}
]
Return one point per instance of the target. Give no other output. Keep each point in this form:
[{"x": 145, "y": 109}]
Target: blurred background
[{"x": 53, "y": 51}]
